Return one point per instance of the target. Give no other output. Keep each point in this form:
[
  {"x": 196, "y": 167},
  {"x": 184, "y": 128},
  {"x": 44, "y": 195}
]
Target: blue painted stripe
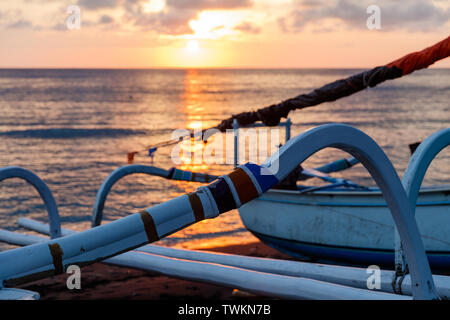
[
  {"x": 177, "y": 174},
  {"x": 187, "y": 175},
  {"x": 265, "y": 181},
  {"x": 222, "y": 195},
  {"x": 336, "y": 166}
]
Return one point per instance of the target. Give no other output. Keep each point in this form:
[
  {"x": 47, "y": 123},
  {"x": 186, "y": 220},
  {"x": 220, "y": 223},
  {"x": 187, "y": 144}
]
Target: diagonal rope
[{"x": 271, "y": 115}]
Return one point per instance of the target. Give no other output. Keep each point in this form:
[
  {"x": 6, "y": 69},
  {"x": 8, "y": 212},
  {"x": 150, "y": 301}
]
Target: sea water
[{"x": 74, "y": 127}]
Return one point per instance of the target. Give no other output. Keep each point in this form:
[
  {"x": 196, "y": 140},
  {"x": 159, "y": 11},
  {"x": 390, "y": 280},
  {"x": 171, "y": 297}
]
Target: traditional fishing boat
[
  {"x": 346, "y": 225},
  {"x": 124, "y": 241},
  {"x": 338, "y": 222},
  {"x": 343, "y": 222}
]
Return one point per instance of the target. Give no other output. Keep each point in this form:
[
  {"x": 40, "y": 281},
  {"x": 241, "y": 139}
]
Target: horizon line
[{"x": 188, "y": 67}]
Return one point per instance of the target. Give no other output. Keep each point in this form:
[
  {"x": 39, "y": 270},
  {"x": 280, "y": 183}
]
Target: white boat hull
[{"x": 352, "y": 226}]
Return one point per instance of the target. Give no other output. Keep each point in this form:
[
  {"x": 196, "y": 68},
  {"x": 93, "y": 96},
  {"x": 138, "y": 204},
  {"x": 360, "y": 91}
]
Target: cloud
[
  {"x": 98, "y": 4},
  {"x": 105, "y": 19},
  {"x": 208, "y": 4},
  {"x": 247, "y": 27},
  {"x": 59, "y": 27},
  {"x": 20, "y": 24},
  {"x": 174, "y": 18},
  {"x": 412, "y": 15},
  {"x": 168, "y": 21},
  {"x": 309, "y": 3}
]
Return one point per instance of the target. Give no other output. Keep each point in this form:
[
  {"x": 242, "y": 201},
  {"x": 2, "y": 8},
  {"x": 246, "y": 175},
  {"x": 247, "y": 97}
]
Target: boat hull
[{"x": 346, "y": 226}]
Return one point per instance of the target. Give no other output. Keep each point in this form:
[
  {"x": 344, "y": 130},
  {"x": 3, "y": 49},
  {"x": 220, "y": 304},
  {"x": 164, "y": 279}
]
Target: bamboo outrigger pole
[{"x": 228, "y": 192}]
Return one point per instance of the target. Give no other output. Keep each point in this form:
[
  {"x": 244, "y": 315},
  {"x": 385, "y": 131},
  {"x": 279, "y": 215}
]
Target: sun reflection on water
[{"x": 195, "y": 111}]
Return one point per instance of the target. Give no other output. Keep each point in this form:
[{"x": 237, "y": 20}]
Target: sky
[{"x": 217, "y": 33}]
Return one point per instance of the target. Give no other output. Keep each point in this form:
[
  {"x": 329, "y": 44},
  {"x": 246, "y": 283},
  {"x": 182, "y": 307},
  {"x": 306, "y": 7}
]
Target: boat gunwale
[
  {"x": 343, "y": 247},
  {"x": 424, "y": 190}
]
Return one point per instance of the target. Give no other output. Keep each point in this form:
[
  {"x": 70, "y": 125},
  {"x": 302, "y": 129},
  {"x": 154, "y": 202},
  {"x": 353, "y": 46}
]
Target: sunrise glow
[
  {"x": 153, "y": 6},
  {"x": 215, "y": 24},
  {"x": 215, "y": 34},
  {"x": 192, "y": 46}
]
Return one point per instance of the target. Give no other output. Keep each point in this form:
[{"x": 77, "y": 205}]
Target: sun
[{"x": 192, "y": 46}]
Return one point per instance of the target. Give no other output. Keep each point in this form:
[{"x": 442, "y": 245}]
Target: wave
[{"x": 69, "y": 133}]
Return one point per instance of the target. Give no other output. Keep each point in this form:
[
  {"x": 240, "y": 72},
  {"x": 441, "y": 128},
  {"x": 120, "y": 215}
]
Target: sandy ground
[{"x": 101, "y": 281}]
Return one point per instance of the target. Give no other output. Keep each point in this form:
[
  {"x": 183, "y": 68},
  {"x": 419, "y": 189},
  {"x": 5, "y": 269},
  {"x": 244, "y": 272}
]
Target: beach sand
[{"x": 102, "y": 281}]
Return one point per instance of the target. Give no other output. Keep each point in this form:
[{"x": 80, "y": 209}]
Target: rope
[{"x": 271, "y": 115}]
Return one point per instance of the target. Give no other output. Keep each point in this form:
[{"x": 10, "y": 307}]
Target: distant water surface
[{"x": 74, "y": 127}]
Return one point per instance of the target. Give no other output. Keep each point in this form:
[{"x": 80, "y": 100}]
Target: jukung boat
[
  {"x": 249, "y": 188},
  {"x": 343, "y": 222},
  {"x": 124, "y": 242},
  {"x": 346, "y": 225},
  {"x": 339, "y": 223}
]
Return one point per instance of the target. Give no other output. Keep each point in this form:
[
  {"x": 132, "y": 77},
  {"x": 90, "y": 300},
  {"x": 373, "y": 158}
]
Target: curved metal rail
[
  {"x": 119, "y": 173},
  {"x": 413, "y": 178},
  {"x": 115, "y": 176},
  {"x": 44, "y": 192},
  {"x": 124, "y": 171},
  {"x": 370, "y": 154},
  {"x": 421, "y": 160},
  {"x": 127, "y": 233}
]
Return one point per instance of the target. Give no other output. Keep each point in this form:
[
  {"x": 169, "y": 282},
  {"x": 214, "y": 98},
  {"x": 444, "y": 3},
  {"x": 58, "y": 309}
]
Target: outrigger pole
[{"x": 229, "y": 192}]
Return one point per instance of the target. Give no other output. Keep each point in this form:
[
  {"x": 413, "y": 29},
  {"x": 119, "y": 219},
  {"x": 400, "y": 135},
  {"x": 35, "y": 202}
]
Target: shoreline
[{"x": 107, "y": 282}]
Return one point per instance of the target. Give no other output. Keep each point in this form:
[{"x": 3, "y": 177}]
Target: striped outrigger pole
[
  {"x": 183, "y": 175},
  {"x": 338, "y": 165},
  {"x": 42, "y": 260},
  {"x": 226, "y": 193}
]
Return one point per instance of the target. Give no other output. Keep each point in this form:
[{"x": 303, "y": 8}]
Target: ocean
[{"x": 73, "y": 127}]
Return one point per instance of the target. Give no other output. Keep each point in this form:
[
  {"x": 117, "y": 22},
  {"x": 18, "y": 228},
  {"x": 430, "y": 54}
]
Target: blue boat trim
[
  {"x": 344, "y": 204},
  {"x": 351, "y": 255},
  {"x": 265, "y": 181}
]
